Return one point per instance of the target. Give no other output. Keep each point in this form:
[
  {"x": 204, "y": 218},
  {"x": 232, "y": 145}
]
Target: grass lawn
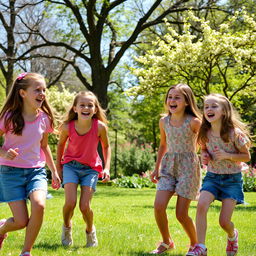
[{"x": 125, "y": 226}]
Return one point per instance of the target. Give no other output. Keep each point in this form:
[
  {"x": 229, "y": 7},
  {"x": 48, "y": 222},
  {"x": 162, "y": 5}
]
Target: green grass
[{"x": 125, "y": 226}]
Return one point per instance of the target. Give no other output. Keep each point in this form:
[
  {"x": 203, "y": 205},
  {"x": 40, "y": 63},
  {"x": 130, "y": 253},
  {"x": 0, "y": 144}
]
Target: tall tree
[
  {"x": 104, "y": 31},
  {"x": 18, "y": 21}
]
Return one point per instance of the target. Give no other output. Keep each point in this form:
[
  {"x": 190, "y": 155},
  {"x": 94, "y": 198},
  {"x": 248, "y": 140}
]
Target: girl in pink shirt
[
  {"x": 79, "y": 161},
  {"x": 225, "y": 144},
  {"x": 25, "y": 121}
]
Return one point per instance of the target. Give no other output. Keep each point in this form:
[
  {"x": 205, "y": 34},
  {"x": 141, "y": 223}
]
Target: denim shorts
[
  {"x": 75, "y": 172},
  {"x": 18, "y": 183},
  {"x": 224, "y": 186}
]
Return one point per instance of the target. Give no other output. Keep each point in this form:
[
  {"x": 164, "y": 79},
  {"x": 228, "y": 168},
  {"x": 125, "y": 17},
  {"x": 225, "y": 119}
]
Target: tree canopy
[{"x": 221, "y": 60}]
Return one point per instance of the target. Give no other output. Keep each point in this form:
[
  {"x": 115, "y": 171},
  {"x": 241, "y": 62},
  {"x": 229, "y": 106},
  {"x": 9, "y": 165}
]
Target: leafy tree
[
  {"x": 97, "y": 34},
  {"x": 220, "y": 61}
]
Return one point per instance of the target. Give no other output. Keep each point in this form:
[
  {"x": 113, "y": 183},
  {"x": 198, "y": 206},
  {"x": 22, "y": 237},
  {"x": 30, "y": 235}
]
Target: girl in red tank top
[{"x": 78, "y": 161}]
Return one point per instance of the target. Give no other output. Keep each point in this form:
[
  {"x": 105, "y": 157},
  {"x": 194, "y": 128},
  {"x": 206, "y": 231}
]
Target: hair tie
[{"x": 21, "y": 76}]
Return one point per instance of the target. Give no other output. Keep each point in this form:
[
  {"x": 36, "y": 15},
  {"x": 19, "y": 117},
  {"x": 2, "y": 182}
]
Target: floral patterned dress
[{"x": 180, "y": 166}]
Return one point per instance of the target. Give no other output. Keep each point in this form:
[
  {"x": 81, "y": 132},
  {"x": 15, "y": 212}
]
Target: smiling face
[
  {"x": 85, "y": 107},
  {"x": 34, "y": 96},
  {"x": 213, "y": 111},
  {"x": 175, "y": 101}
]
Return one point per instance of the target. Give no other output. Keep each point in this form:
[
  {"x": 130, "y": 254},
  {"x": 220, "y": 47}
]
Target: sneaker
[
  {"x": 2, "y": 237},
  {"x": 66, "y": 237},
  {"x": 91, "y": 238},
  {"x": 232, "y": 246},
  {"x": 190, "y": 251},
  {"x": 199, "y": 251},
  {"x": 26, "y": 254}
]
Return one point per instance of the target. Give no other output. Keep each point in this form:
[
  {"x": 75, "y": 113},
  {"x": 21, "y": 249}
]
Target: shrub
[
  {"x": 134, "y": 181},
  {"x": 249, "y": 178},
  {"x": 135, "y": 160}
]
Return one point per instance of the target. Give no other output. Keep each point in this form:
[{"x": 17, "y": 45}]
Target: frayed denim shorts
[
  {"x": 224, "y": 186},
  {"x": 18, "y": 183},
  {"x": 75, "y": 172}
]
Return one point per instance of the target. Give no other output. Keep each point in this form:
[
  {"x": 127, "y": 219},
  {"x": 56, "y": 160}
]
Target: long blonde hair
[
  {"x": 13, "y": 106},
  {"x": 230, "y": 121},
  {"x": 100, "y": 114},
  {"x": 191, "y": 108}
]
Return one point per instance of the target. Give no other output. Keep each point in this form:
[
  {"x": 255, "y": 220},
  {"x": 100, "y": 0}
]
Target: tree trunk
[
  {"x": 9, "y": 77},
  {"x": 100, "y": 81}
]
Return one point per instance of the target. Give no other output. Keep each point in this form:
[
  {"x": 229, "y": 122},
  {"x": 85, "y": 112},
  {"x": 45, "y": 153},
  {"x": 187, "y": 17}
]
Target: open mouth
[
  {"x": 173, "y": 107},
  {"x": 39, "y": 100},
  {"x": 210, "y": 115},
  {"x": 85, "y": 113}
]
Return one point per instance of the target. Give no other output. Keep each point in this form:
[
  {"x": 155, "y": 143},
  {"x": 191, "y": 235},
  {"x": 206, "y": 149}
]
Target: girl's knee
[
  {"x": 38, "y": 207},
  {"x": 21, "y": 223},
  {"x": 182, "y": 217},
  {"x": 224, "y": 223},
  {"x": 85, "y": 209},
  {"x": 71, "y": 205},
  {"x": 158, "y": 206},
  {"x": 202, "y": 208}
]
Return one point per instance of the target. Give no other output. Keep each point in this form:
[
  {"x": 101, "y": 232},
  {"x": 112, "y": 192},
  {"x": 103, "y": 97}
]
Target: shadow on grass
[
  {"x": 110, "y": 192},
  {"x": 50, "y": 247},
  {"x": 141, "y": 253},
  {"x": 241, "y": 208}
]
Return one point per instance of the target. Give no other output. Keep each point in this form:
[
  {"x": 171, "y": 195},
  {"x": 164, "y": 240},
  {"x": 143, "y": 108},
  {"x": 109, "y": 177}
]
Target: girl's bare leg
[
  {"x": 85, "y": 207},
  {"x": 70, "y": 203},
  {"x": 161, "y": 202},
  {"x": 182, "y": 208},
  {"x": 37, "y": 199},
  {"x": 205, "y": 200},
  {"x": 228, "y": 206},
  {"x": 19, "y": 219}
]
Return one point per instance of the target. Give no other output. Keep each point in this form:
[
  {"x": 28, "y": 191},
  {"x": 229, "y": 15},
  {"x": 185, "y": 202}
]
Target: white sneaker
[
  {"x": 91, "y": 238},
  {"x": 66, "y": 237}
]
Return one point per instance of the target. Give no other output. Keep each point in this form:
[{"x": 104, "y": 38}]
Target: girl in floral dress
[
  {"x": 177, "y": 168},
  {"x": 225, "y": 145}
]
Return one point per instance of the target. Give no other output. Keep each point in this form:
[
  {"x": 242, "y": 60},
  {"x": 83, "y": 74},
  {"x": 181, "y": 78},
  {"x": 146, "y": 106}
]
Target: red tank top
[{"x": 83, "y": 148}]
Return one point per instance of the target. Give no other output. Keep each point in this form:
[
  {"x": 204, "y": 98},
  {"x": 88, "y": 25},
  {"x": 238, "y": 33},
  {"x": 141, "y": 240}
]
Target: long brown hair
[
  {"x": 230, "y": 120},
  {"x": 13, "y": 106},
  {"x": 191, "y": 108},
  {"x": 100, "y": 114}
]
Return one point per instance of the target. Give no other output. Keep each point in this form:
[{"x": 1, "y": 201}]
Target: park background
[{"x": 128, "y": 52}]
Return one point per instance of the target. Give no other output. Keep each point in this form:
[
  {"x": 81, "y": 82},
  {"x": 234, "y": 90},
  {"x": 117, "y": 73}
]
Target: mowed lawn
[{"x": 125, "y": 224}]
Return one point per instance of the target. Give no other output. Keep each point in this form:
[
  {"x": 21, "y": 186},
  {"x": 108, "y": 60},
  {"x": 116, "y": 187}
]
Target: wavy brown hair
[
  {"x": 13, "y": 106},
  {"x": 230, "y": 120},
  {"x": 191, "y": 108},
  {"x": 100, "y": 114}
]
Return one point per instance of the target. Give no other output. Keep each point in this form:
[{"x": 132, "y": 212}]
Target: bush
[
  {"x": 249, "y": 178},
  {"x": 134, "y": 181},
  {"x": 135, "y": 160}
]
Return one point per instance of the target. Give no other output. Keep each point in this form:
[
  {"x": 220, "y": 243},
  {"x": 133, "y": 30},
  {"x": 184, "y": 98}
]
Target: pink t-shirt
[
  {"x": 83, "y": 148},
  {"x": 30, "y": 152}
]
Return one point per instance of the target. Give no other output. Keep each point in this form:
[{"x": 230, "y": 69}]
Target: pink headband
[{"x": 21, "y": 76}]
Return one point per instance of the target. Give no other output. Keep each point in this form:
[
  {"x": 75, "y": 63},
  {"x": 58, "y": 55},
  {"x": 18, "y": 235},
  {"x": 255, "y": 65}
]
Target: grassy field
[{"x": 125, "y": 226}]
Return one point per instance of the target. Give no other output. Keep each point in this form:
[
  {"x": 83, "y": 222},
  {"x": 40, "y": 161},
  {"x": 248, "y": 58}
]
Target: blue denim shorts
[
  {"x": 18, "y": 183},
  {"x": 75, "y": 172},
  {"x": 224, "y": 186}
]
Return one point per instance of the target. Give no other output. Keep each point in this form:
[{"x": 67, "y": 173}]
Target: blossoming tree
[{"x": 222, "y": 60}]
